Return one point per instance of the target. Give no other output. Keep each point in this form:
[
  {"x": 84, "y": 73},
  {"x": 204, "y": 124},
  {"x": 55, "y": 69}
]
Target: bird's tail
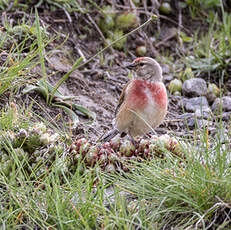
[{"x": 109, "y": 135}]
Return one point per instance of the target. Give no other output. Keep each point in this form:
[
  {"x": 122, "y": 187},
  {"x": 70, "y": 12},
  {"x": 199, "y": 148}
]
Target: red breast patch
[{"x": 138, "y": 95}]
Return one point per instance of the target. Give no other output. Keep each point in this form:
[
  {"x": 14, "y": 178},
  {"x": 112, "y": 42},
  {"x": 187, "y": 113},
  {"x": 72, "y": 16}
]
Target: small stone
[
  {"x": 194, "y": 87},
  {"x": 168, "y": 77},
  {"x": 198, "y": 123},
  {"x": 203, "y": 113},
  {"x": 213, "y": 92},
  {"x": 177, "y": 93},
  {"x": 141, "y": 50},
  {"x": 192, "y": 104},
  {"x": 166, "y": 69},
  {"x": 165, "y": 8},
  {"x": 226, "y": 116},
  {"x": 212, "y": 88},
  {"x": 223, "y": 103},
  {"x": 175, "y": 86},
  {"x": 113, "y": 88}
]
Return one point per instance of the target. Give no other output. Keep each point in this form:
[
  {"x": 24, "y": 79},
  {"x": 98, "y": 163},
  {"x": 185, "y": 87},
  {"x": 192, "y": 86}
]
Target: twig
[
  {"x": 172, "y": 34},
  {"x": 155, "y": 7},
  {"x": 98, "y": 29},
  {"x": 179, "y": 29},
  {"x": 153, "y": 50},
  {"x": 167, "y": 19},
  {"x": 132, "y": 5},
  {"x": 80, "y": 53},
  {"x": 10, "y": 6},
  {"x": 122, "y": 37},
  {"x": 68, "y": 15}
]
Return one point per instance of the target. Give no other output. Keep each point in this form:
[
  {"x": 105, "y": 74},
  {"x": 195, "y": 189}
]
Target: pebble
[
  {"x": 193, "y": 104},
  {"x": 226, "y": 104},
  {"x": 175, "y": 86},
  {"x": 166, "y": 69},
  {"x": 226, "y": 116},
  {"x": 205, "y": 113},
  {"x": 198, "y": 123},
  {"x": 168, "y": 77},
  {"x": 185, "y": 116},
  {"x": 213, "y": 93},
  {"x": 194, "y": 87}
]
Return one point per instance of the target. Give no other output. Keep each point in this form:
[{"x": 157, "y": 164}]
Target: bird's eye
[{"x": 142, "y": 64}]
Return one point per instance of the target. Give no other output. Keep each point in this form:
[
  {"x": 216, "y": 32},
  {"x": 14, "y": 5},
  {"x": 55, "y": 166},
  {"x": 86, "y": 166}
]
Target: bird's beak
[{"x": 130, "y": 65}]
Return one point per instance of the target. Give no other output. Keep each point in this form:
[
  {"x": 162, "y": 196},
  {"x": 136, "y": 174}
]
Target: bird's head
[{"x": 146, "y": 68}]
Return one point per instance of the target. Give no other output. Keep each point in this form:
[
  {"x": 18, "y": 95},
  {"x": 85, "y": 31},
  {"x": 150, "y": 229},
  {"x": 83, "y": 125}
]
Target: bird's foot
[{"x": 135, "y": 143}]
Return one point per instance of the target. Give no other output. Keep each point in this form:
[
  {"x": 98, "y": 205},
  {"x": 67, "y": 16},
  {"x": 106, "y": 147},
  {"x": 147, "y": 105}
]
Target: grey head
[{"x": 146, "y": 68}]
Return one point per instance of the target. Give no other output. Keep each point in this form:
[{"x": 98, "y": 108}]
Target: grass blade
[{"x": 60, "y": 82}]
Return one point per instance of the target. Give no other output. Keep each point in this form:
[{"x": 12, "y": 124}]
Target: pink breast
[
  {"x": 159, "y": 94},
  {"x": 138, "y": 97}
]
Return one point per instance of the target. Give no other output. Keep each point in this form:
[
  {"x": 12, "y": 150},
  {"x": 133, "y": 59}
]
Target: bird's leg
[
  {"x": 109, "y": 135},
  {"x": 148, "y": 135},
  {"x": 132, "y": 140}
]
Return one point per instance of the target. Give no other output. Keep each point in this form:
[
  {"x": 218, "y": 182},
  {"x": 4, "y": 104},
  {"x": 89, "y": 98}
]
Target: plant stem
[{"x": 154, "y": 17}]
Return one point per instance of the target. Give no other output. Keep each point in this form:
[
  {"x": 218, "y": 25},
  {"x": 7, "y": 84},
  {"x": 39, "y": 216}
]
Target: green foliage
[
  {"x": 212, "y": 51},
  {"x": 204, "y": 4},
  {"x": 126, "y": 20},
  {"x": 113, "y": 36},
  {"x": 12, "y": 117},
  {"x": 61, "y": 101},
  {"x": 107, "y": 22},
  {"x": 19, "y": 40},
  {"x": 174, "y": 185},
  {"x": 114, "y": 25},
  {"x": 68, "y": 5}
]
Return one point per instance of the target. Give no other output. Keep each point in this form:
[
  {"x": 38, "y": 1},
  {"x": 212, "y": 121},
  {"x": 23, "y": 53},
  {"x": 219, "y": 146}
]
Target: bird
[{"x": 143, "y": 101}]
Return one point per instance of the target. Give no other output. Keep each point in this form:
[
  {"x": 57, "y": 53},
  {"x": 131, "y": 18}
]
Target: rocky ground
[{"x": 97, "y": 85}]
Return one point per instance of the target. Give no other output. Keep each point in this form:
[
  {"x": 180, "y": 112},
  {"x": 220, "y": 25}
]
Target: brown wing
[{"x": 121, "y": 99}]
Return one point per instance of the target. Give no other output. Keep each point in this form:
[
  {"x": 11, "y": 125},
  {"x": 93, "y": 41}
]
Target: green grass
[
  {"x": 170, "y": 192},
  {"x": 183, "y": 193},
  {"x": 66, "y": 5},
  {"x": 21, "y": 43},
  {"x": 211, "y": 52},
  {"x": 208, "y": 54}
]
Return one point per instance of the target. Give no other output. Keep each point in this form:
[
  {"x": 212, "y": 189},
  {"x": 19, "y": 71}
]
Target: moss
[{"x": 127, "y": 21}]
